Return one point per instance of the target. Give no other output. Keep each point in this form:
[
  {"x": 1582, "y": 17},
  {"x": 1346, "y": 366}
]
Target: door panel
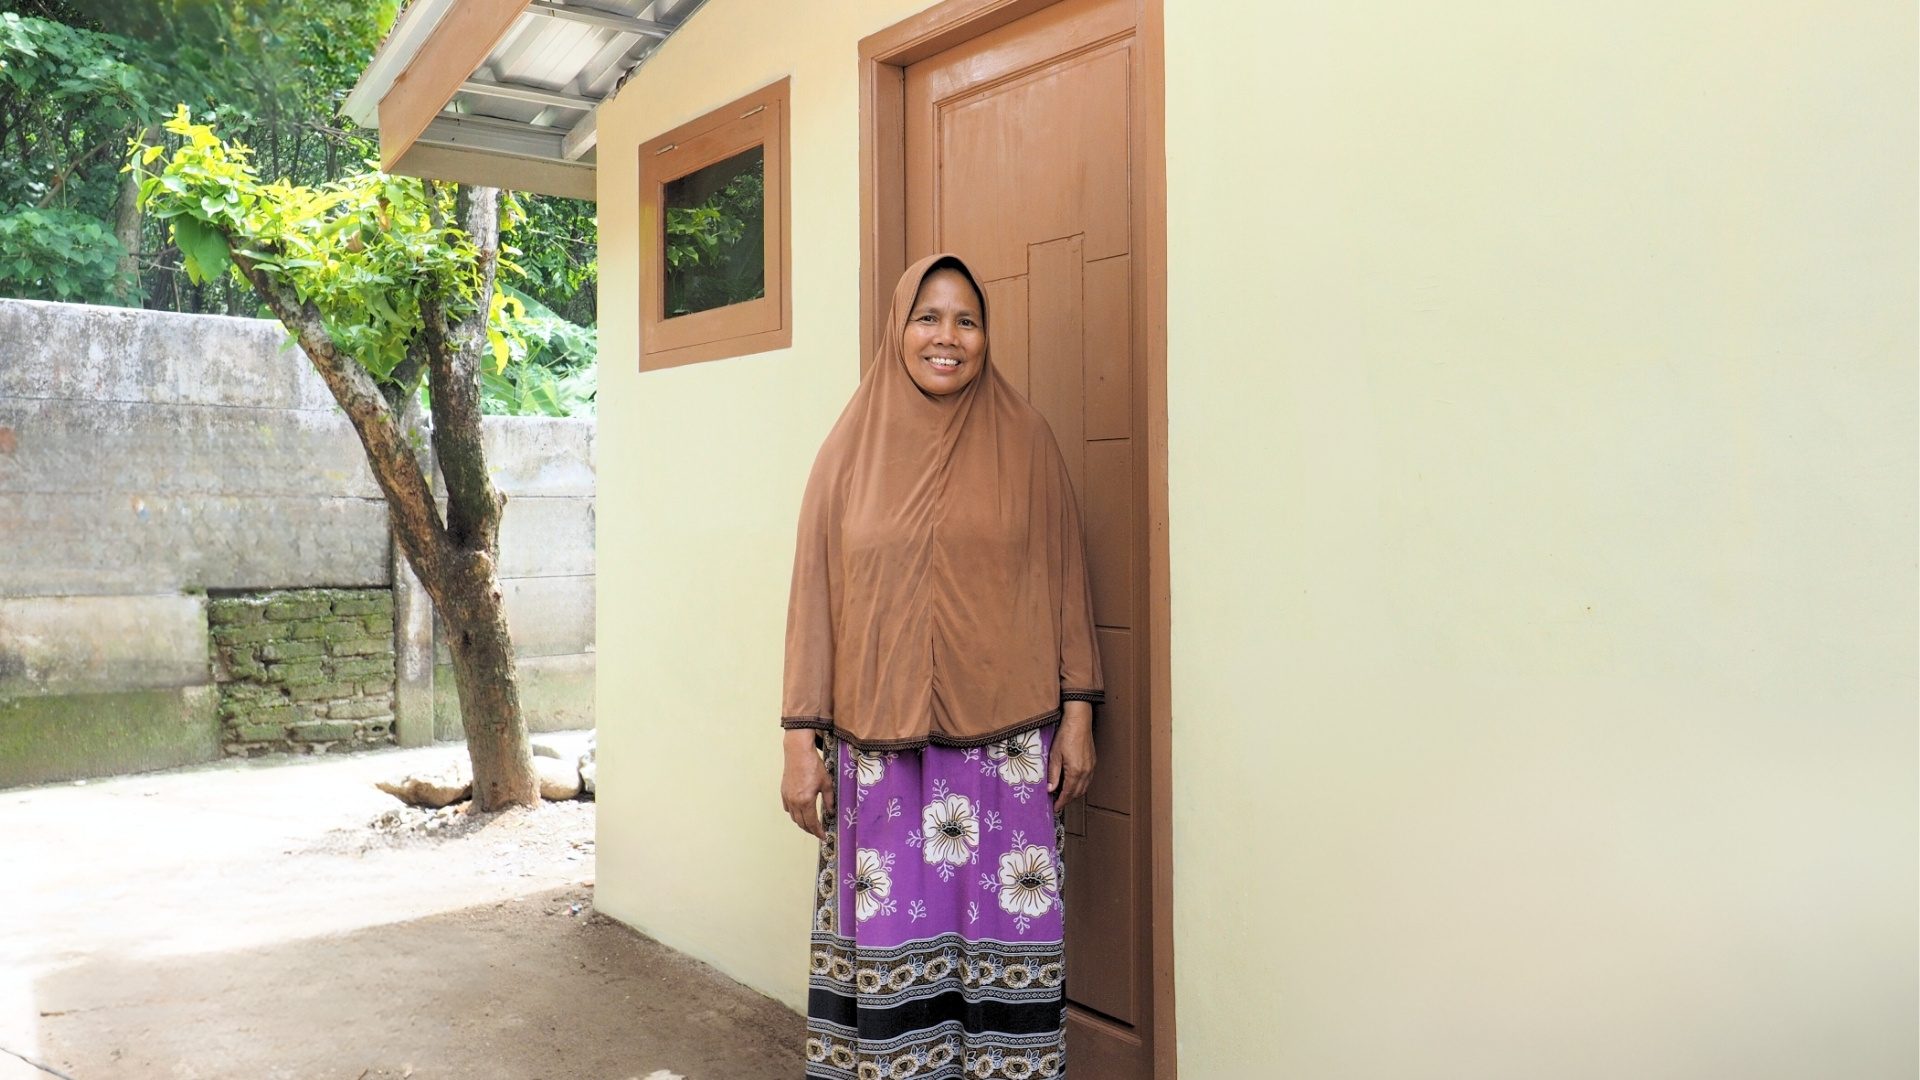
[
  {"x": 1055, "y": 333},
  {"x": 1048, "y": 174},
  {"x": 1106, "y": 505},
  {"x": 1018, "y": 151},
  {"x": 1007, "y": 307},
  {"x": 1109, "y": 348},
  {"x": 1121, "y": 729},
  {"x": 1101, "y": 973}
]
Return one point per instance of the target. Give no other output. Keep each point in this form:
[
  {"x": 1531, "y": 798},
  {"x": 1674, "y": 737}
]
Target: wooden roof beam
[{"x": 457, "y": 48}]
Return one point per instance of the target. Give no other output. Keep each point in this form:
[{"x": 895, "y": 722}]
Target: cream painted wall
[
  {"x": 702, "y": 469},
  {"x": 1543, "y": 429},
  {"x": 1543, "y": 417}
]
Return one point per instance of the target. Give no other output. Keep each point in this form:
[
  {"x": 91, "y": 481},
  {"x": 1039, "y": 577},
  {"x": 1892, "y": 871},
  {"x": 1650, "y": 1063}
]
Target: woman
[{"x": 940, "y": 668}]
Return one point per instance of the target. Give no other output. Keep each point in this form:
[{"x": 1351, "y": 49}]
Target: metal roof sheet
[{"x": 534, "y": 95}]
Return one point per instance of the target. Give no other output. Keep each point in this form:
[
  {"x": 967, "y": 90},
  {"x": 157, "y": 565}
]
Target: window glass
[{"x": 716, "y": 233}]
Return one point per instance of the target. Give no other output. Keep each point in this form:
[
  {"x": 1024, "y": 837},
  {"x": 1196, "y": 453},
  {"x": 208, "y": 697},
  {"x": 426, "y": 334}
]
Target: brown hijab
[{"x": 939, "y": 581}]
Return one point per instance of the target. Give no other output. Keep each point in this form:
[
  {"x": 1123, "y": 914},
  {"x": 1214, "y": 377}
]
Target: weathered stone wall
[
  {"x": 150, "y": 460},
  {"x": 151, "y": 454},
  {"x": 308, "y": 669}
]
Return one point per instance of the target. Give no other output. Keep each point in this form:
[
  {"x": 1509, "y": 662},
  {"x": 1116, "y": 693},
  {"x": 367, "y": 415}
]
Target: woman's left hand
[{"x": 1070, "y": 767}]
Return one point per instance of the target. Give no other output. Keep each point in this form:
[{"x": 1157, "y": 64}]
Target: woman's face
[{"x": 946, "y": 337}]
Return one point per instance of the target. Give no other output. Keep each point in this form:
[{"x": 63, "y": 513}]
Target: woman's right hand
[{"x": 806, "y": 787}]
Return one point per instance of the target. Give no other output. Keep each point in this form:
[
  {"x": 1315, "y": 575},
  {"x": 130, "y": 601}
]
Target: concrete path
[{"x": 249, "y": 920}]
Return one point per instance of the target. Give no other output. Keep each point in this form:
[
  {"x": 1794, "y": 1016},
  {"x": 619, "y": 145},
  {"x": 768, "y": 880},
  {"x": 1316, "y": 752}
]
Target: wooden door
[{"x": 1018, "y": 159}]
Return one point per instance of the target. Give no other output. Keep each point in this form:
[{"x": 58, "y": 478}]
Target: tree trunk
[
  {"x": 456, "y": 559},
  {"x": 483, "y": 673},
  {"x": 126, "y": 224},
  {"x": 470, "y": 587}
]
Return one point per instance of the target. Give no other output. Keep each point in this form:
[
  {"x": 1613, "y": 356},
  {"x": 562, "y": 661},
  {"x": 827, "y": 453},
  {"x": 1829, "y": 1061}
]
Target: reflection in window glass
[{"x": 716, "y": 228}]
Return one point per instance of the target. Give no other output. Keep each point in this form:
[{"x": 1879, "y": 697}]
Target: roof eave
[
  {"x": 454, "y": 95},
  {"x": 410, "y": 31}
]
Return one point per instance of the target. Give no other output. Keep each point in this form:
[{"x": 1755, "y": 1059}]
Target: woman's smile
[{"x": 946, "y": 333}]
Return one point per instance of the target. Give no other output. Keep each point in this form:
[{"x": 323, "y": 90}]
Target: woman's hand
[
  {"x": 1070, "y": 768},
  {"x": 806, "y": 788}
]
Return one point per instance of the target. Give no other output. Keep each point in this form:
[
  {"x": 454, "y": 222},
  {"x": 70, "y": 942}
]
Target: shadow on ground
[
  {"x": 532, "y": 988},
  {"x": 285, "y": 920}
]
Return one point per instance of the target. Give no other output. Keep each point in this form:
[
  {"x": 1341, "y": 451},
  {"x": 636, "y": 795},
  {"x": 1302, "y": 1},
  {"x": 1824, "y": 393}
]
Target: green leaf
[
  {"x": 203, "y": 250},
  {"x": 498, "y": 343},
  {"x": 377, "y": 299}
]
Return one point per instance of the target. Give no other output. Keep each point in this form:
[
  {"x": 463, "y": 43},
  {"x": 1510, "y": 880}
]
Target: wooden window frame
[{"x": 752, "y": 326}]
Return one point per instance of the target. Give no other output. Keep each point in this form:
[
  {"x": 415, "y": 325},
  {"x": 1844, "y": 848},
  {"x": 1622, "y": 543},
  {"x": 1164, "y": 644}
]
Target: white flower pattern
[
  {"x": 951, "y": 830},
  {"x": 1019, "y": 758},
  {"x": 870, "y": 767},
  {"x": 872, "y": 884},
  {"x": 1029, "y": 884}
]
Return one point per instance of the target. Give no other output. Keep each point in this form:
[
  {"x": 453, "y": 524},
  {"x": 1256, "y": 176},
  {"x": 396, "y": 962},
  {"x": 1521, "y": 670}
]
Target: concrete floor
[{"x": 246, "y": 921}]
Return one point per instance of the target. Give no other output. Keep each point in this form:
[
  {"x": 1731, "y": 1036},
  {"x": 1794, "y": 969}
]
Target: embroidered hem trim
[{"x": 931, "y": 739}]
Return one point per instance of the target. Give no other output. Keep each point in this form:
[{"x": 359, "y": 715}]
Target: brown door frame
[{"x": 884, "y": 59}]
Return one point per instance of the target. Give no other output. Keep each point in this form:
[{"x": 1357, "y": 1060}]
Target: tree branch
[
  {"x": 126, "y": 223},
  {"x": 404, "y": 382},
  {"x": 60, "y": 178},
  {"x": 416, "y": 519},
  {"x": 454, "y": 351}
]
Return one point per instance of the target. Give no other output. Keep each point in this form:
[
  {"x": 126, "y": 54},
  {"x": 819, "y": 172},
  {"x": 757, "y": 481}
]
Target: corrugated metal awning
[{"x": 504, "y": 92}]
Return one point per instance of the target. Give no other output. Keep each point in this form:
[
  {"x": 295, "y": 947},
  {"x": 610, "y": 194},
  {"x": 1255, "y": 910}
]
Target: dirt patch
[
  {"x": 291, "y": 923},
  {"x": 563, "y": 828}
]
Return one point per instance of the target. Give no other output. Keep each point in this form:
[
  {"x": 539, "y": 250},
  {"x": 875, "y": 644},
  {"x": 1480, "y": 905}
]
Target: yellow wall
[
  {"x": 1543, "y": 484},
  {"x": 1543, "y": 421},
  {"x": 702, "y": 472}
]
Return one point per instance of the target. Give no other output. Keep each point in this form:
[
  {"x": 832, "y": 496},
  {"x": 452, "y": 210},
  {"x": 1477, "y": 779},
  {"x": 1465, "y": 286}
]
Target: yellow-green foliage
[{"x": 366, "y": 251}]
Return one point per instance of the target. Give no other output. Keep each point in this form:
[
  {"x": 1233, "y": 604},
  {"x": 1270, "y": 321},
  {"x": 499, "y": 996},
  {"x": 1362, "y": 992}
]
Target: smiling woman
[
  {"x": 945, "y": 340},
  {"x": 940, "y": 666}
]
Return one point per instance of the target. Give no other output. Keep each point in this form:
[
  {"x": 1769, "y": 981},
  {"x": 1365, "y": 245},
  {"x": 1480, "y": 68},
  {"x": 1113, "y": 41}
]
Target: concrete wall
[
  {"x": 147, "y": 459},
  {"x": 1543, "y": 423},
  {"x": 210, "y": 453}
]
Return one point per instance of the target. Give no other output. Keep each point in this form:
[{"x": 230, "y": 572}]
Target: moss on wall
[{"x": 74, "y": 736}]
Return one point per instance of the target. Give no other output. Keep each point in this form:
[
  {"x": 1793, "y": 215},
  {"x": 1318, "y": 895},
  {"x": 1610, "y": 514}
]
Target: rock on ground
[
  {"x": 558, "y": 779},
  {"x": 435, "y": 789}
]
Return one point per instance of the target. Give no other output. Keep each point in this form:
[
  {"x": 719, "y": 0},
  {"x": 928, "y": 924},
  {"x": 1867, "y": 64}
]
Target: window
[{"x": 713, "y": 235}]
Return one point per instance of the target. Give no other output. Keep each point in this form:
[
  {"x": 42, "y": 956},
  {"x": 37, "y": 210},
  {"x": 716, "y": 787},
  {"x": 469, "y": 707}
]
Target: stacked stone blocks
[{"x": 303, "y": 669}]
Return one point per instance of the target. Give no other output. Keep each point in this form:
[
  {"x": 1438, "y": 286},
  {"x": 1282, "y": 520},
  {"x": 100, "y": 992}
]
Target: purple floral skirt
[{"x": 937, "y": 921}]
